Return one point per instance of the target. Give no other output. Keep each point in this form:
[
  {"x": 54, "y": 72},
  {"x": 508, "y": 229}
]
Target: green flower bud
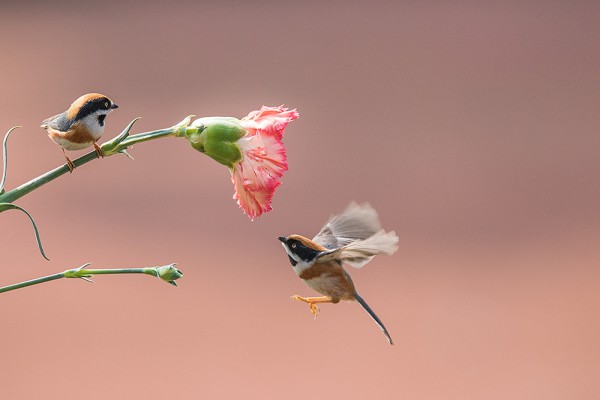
[
  {"x": 217, "y": 138},
  {"x": 168, "y": 273}
]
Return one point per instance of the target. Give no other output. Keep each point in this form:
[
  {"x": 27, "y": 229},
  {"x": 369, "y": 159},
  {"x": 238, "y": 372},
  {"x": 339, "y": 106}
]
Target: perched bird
[
  {"x": 81, "y": 126},
  {"x": 353, "y": 238}
]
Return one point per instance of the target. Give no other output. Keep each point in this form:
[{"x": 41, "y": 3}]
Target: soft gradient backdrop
[{"x": 472, "y": 127}]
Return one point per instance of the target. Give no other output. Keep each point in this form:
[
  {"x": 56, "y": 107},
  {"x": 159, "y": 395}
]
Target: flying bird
[{"x": 352, "y": 238}]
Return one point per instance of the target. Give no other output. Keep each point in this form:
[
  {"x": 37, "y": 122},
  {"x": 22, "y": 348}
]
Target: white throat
[
  {"x": 301, "y": 265},
  {"x": 93, "y": 125}
]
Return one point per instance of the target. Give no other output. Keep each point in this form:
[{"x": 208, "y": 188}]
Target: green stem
[
  {"x": 112, "y": 147},
  {"x": 114, "y": 271},
  {"x": 168, "y": 273},
  {"x": 32, "y": 282},
  {"x": 146, "y": 136}
]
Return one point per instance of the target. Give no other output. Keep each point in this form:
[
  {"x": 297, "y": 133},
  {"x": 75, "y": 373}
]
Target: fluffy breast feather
[
  {"x": 77, "y": 138},
  {"x": 329, "y": 279}
]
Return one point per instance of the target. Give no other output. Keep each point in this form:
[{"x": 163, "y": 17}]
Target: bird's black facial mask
[
  {"x": 299, "y": 252},
  {"x": 92, "y": 106}
]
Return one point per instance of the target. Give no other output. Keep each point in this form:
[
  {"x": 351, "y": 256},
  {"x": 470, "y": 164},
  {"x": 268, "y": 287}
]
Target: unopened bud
[
  {"x": 169, "y": 273},
  {"x": 217, "y": 138}
]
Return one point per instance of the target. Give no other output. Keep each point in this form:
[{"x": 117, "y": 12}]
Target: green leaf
[
  {"x": 10, "y": 206},
  {"x": 4, "y": 159},
  {"x": 109, "y": 147}
]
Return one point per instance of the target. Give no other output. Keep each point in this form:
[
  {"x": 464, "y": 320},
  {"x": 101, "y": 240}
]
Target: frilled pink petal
[
  {"x": 264, "y": 153},
  {"x": 271, "y": 121},
  {"x": 256, "y": 176},
  {"x": 255, "y": 199}
]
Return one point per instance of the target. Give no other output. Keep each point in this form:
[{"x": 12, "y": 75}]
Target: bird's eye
[
  {"x": 106, "y": 104},
  {"x": 294, "y": 246}
]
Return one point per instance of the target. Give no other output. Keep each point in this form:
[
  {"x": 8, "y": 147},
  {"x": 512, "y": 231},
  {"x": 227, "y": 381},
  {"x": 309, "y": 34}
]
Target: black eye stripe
[
  {"x": 93, "y": 106},
  {"x": 303, "y": 252}
]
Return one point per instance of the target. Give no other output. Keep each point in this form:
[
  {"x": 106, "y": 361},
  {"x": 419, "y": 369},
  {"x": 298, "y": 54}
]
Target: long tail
[{"x": 375, "y": 318}]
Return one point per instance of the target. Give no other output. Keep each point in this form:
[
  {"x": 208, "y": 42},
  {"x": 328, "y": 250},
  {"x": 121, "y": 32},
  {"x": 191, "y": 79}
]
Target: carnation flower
[{"x": 253, "y": 150}]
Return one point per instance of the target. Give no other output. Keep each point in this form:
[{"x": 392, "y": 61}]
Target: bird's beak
[
  {"x": 282, "y": 238},
  {"x": 114, "y": 106}
]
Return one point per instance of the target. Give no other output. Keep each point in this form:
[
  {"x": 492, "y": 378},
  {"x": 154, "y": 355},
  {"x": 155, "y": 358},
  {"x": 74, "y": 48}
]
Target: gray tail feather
[{"x": 375, "y": 318}]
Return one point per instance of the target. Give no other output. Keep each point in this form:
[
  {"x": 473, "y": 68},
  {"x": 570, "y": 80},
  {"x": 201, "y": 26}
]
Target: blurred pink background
[{"x": 472, "y": 128}]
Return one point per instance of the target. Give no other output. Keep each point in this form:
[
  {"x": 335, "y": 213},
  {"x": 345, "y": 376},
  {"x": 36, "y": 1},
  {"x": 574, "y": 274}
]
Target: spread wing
[
  {"x": 355, "y": 223},
  {"x": 355, "y": 237},
  {"x": 359, "y": 252}
]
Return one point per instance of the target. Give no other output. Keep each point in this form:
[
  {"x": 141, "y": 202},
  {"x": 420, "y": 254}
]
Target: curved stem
[
  {"x": 112, "y": 147},
  {"x": 41, "y": 180}
]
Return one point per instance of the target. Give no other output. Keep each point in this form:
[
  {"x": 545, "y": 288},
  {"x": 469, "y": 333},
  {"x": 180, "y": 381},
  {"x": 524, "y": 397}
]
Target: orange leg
[
  {"x": 69, "y": 162},
  {"x": 312, "y": 300},
  {"x": 98, "y": 150}
]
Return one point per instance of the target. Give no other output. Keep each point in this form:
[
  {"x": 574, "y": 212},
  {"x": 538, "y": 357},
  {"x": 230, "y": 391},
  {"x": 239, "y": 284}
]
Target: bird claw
[
  {"x": 99, "y": 150},
  {"x": 313, "y": 307},
  {"x": 70, "y": 165}
]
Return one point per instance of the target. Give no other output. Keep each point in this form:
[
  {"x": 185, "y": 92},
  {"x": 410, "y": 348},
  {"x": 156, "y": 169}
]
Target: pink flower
[
  {"x": 269, "y": 120},
  {"x": 257, "y": 175},
  {"x": 251, "y": 148}
]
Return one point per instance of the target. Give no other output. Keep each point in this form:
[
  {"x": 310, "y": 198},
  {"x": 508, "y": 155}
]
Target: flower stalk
[
  {"x": 114, "y": 146},
  {"x": 251, "y": 148},
  {"x": 167, "y": 273}
]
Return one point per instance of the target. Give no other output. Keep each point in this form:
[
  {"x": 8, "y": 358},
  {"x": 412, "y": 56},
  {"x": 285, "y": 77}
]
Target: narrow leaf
[
  {"x": 123, "y": 135},
  {"x": 4, "y": 159},
  {"x": 10, "y": 206}
]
